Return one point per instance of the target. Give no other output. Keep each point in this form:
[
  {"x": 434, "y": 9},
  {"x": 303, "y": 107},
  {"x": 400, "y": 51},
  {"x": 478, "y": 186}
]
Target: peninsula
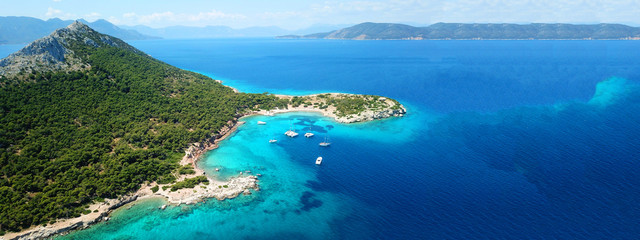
[
  {"x": 477, "y": 31},
  {"x": 89, "y": 124},
  {"x": 342, "y": 107}
]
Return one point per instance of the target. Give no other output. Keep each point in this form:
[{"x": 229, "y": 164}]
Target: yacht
[
  {"x": 318, "y": 160},
  {"x": 261, "y": 123},
  {"x": 273, "y": 141},
  {"x": 291, "y": 132},
  {"x": 325, "y": 143},
  {"x": 309, "y": 133}
]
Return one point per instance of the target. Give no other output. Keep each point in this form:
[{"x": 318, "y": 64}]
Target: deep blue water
[
  {"x": 503, "y": 140},
  {"x": 440, "y": 75}
]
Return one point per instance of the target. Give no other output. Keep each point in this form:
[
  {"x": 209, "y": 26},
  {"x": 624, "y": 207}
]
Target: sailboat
[
  {"x": 291, "y": 132},
  {"x": 325, "y": 143},
  {"x": 309, "y": 133}
]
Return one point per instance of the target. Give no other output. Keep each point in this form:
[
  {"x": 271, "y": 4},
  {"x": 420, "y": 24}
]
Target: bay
[{"x": 503, "y": 140}]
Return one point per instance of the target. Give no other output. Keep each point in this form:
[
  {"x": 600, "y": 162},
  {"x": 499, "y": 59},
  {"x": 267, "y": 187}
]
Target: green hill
[{"x": 85, "y": 116}]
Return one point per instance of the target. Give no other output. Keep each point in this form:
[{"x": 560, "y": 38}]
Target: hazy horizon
[
  {"x": 291, "y": 15},
  {"x": 341, "y": 25}
]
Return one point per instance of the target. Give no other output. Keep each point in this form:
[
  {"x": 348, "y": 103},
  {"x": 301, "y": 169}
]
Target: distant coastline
[
  {"x": 469, "y": 39},
  {"x": 487, "y": 31}
]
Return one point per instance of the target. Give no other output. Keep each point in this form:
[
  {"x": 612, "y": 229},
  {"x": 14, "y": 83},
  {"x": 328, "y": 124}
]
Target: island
[
  {"x": 90, "y": 124},
  {"x": 479, "y": 31}
]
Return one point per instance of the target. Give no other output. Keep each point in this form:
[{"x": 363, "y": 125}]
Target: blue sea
[{"x": 502, "y": 140}]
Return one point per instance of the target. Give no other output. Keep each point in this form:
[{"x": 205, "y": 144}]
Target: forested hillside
[{"x": 73, "y": 136}]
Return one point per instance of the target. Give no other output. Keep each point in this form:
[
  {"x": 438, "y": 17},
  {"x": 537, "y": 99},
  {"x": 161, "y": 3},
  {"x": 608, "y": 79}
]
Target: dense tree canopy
[{"x": 70, "y": 138}]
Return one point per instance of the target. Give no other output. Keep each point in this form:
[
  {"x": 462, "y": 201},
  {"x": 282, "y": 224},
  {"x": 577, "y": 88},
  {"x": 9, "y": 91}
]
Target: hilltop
[
  {"x": 391, "y": 31},
  {"x": 60, "y": 51}
]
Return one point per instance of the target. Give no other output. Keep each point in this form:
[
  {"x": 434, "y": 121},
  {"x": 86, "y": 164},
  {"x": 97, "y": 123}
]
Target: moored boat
[
  {"x": 325, "y": 143},
  {"x": 309, "y": 133},
  {"x": 291, "y": 132}
]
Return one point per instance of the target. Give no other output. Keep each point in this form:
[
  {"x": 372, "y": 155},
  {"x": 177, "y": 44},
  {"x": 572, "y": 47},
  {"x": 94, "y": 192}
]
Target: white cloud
[
  {"x": 114, "y": 20},
  {"x": 129, "y": 15},
  {"x": 157, "y": 17},
  {"x": 213, "y": 15},
  {"x": 93, "y": 15},
  {"x": 171, "y": 18},
  {"x": 367, "y": 6},
  {"x": 53, "y": 12},
  {"x": 282, "y": 15},
  {"x": 57, "y": 13}
]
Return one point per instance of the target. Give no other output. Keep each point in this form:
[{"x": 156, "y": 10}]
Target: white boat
[
  {"x": 273, "y": 141},
  {"x": 291, "y": 132},
  {"x": 261, "y": 123},
  {"x": 318, "y": 160},
  {"x": 309, "y": 133},
  {"x": 325, "y": 143}
]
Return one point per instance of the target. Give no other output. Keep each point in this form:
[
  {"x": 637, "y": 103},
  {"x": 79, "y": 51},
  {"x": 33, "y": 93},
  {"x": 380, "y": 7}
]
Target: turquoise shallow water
[
  {"x": 288, "y": 205},
  {"x": 503, "y": 140}
]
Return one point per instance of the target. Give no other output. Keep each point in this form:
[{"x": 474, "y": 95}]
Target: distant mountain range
[
  {"x": 19, "y": 30},
  {"x": 15, "y": 30},
  {"x": 389, "y": 31},
  {"x": 186, "y": 32},
  {"x": 207, "y": 32}
]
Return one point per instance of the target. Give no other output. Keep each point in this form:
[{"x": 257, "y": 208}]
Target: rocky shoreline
[
  {"x": 61, "y": 227},
  {"x": 234, "y": 187},
  {"x": 241, "y": 184}
]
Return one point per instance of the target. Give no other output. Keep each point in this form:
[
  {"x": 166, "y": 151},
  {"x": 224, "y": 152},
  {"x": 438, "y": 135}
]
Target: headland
[{"x": 342, "y": 107}]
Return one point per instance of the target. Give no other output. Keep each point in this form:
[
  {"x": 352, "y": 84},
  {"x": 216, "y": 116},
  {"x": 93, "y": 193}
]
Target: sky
[{"x": 296, "y": 14}]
